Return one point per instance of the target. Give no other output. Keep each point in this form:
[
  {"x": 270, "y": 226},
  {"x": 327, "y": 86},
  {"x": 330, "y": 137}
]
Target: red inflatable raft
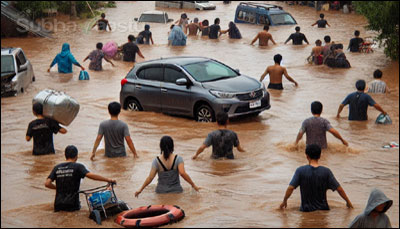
[{"x": 150, "y": 216}]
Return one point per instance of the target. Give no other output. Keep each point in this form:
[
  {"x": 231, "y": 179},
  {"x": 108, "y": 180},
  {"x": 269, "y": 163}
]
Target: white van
[{"x": 198, "y": 5}]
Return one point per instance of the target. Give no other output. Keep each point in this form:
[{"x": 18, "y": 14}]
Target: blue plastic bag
[
  {"x": 83, "y": 75},
  {"x": 383, "y": 119},
  {"x": 99, "y": 198}
]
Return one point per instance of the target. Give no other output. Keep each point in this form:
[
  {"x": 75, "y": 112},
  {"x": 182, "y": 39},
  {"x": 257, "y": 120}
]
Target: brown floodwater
[{"x": 245, "y": 192}]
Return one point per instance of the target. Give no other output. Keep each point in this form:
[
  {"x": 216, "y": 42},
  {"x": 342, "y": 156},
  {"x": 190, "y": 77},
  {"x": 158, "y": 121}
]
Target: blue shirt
[
  {"x": 314, "y": 181},
  {"x": 358, "y": 102}
]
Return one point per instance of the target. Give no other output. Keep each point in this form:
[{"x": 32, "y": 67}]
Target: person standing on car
[
  {"x": 64, "y": 60},
  {"x": 130, "y": 49},
  {"x": 68, "y": 177},
  {"x": 41, "y": 130},
  {"x": 114, "y": 132},
  {"x": 222, "y": 140}
]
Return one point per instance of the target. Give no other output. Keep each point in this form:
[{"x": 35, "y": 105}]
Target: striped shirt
[{"x": 377, "y": 86}]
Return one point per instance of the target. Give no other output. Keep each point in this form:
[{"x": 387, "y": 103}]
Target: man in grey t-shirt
[
  {"x": 222, "y": 140},
  {"x": 114, "y": 132},
  {"x": 316, "y": 127}
]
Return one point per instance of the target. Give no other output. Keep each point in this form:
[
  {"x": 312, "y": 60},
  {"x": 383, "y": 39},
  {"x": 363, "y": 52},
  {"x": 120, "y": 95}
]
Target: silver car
[
  {"x": 16, "y": 71},
  {"x": 197, "y": 87}
]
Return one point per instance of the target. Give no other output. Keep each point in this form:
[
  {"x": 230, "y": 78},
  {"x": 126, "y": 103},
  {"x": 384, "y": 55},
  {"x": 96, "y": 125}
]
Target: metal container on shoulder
[{"x": 57, "y": 105}]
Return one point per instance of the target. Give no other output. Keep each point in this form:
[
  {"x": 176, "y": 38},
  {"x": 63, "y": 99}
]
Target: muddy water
[{"x": 245, "y": 192}]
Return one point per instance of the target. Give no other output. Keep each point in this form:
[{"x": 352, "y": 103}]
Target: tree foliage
[{"x": 383, "y": 17}]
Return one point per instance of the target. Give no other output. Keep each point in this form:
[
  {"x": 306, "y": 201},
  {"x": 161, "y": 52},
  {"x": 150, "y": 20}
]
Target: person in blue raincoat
[
  {"x": 64, "y": 60},
  {"x": 177, "y": 37}
]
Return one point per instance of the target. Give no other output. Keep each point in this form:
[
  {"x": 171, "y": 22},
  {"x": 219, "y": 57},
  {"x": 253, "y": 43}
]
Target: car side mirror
[
  {"x": 182, "y": 82},
  {"x": 237, "y": 70},
  {"x": 135, "y": 19},
  {"x": 22, "y": 68}
]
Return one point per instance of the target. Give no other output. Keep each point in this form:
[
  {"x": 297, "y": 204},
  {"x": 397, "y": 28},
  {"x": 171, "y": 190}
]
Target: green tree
[{"x": 383, "y": 17}]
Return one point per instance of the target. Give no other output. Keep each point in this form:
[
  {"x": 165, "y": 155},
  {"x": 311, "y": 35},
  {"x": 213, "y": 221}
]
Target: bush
[{"x": 383, "y": 17}]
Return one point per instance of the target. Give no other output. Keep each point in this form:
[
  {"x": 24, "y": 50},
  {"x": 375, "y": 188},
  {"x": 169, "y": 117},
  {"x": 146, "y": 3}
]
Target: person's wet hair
[
  {"x": 360, "y": 85},
  {"x": 339, "y": 46},
  {"x": 114, "y": 108},
  {"x": 357, "y": 33},
  {"x": 266, "y": 27},
  {"x": 278, "y": 58},
  {"x": 327, "y": 39},
  {"x": 184, "y": 16},
  {"x": 316, "y": 107},
  {"x": 216, "y": 21},
  {"x": 318, "y": 42},
  {"x": 146, "y": 27},
  {"x": 377, "y": 74},
  {"x": 172, "y": 26},
  {"x": 38, "y": 108},
  {"x": 322, "y": 15},
  {"x": 313, "y": 151},
  {"x": 99, "y": 45},
  {"x": 195, "y": 20},
  {"x": 297, "y": 28},
  {"x": 222, "y": 118},
  {"x": 205, "y": 23},
  {"x": 166, "y": 146},
  {"x": 103, "y": 15},
  {"x": 131, "y": 38},
  {"x": 71, "y": 152}
]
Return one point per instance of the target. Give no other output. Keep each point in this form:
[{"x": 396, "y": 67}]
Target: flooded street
[{"x": 245, "y": 192}]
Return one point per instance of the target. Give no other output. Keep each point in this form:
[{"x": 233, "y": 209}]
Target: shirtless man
[
  {"x": 316, "y": 52},
  {"x": 194, "y": 27},
  {"x": 275, "y": 74},
  {"x": 263, "y": 37}
]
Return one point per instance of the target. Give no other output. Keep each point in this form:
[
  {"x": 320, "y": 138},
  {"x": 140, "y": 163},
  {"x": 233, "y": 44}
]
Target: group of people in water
[{"x": 314, "y": 180}]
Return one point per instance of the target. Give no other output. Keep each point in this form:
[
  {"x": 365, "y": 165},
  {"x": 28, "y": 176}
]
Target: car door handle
[
  {"x": 138, "y": 86},
  {"x": 164, "y": 90}
]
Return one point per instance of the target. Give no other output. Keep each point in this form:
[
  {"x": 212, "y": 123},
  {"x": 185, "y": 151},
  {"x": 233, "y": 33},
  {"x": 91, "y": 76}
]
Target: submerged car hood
[{"x": 240, "y": 83}]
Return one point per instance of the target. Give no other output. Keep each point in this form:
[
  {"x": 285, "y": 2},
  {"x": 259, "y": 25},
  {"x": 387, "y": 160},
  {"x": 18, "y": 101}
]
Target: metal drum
[{"x": 57, "y": 105}]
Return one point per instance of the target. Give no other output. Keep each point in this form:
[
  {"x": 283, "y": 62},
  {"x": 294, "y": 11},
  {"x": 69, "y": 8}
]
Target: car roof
[
  {"x": 154, "y": 12},
  {"x": 181, "y": 60},
  {"x": 9, "y": 51},
  {"x": 270, "y": 8}
]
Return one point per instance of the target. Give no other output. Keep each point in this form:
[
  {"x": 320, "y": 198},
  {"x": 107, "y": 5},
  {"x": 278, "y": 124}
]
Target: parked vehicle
[
  {"x": 262, "y": 14},
  {"x": 154, "y": 16},
  {"x": 196, "y": 87},
  {"x": 16, "y": 71},
  {"x": 198, "y": 5}
]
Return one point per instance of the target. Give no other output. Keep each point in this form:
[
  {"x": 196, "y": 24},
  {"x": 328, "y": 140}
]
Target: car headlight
[
  {"x": 223, "y": 95},
  {"x": 263, "y": 89}
]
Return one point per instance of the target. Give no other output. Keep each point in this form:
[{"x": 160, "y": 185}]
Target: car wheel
[
  {"x": 133, "y": 105},
  {"x": 205, "y": 114}
]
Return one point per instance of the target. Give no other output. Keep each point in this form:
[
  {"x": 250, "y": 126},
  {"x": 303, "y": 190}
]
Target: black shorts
[{"x": 277, "y": 86}]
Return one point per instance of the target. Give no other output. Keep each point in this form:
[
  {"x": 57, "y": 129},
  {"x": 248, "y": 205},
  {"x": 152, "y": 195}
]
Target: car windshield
[
  {"x": 7, "y": 64},
  {"x": 209, "y": 71},
  {"x": 152, "y": 18},
  {"x": 282, "y": 19}
]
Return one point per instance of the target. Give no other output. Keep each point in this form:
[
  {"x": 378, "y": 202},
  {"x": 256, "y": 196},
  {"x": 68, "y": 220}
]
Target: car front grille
[
  {"x": 250, "y": 96},
  {"x": 7, "y": 79}
]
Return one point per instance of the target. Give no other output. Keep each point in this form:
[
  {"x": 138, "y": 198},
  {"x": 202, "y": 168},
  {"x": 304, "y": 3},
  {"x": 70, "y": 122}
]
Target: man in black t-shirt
[
  {"x": 215, "y": 30},
  {"x": 321, "y": 22},
  {"x": 130, "y": 49},
  {"x": 42, "y": 130},
  {"x": 314, "y": 180},
  {"x": 222, "y": 140},
  {"x": 355, "y": 43},
  {"x": 297, "y": 37},
  {"x": 102, "y": 23},
  {"x": 68, "y": 177}
]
